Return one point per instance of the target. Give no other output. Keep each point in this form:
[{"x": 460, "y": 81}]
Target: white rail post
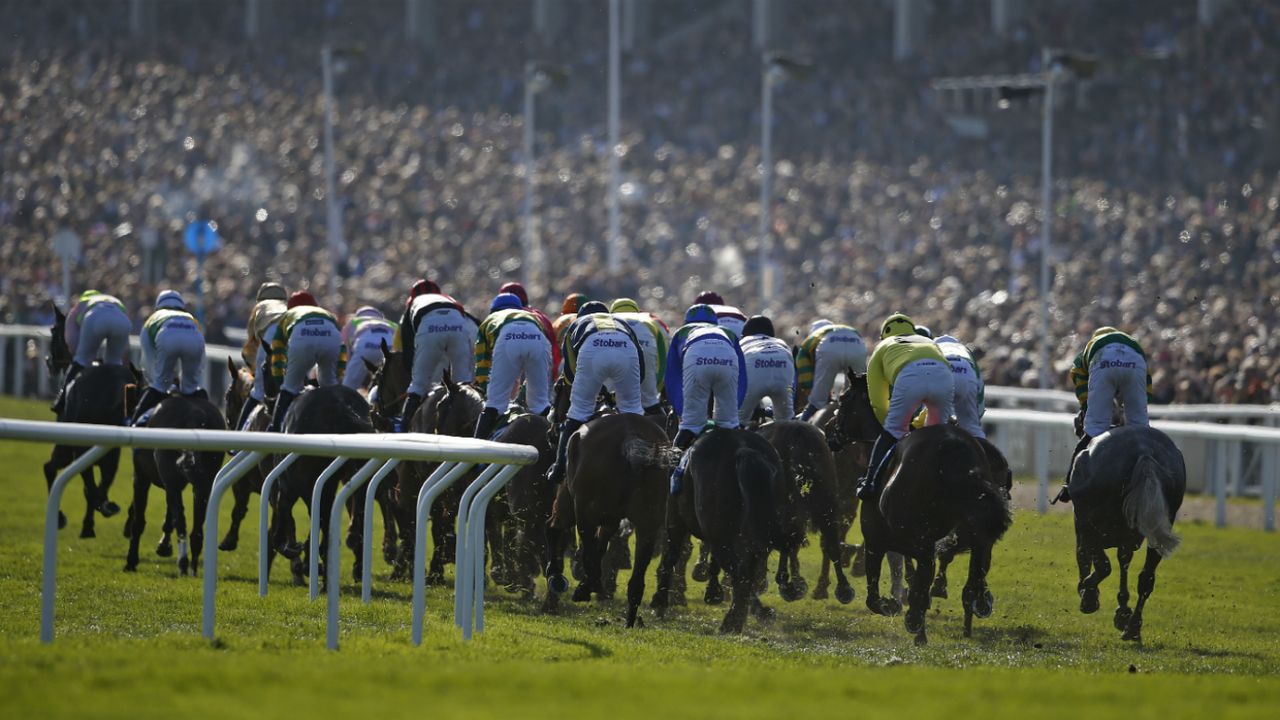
[
  {"x": 1220, "y": 481},
  {"x": 334, "y": 560},
  {"x": 474, "y": 602},
  {"x": 370, "y": 502},
  {"x": 461, "y": 568},
  {"x": 227, "y": 476},
  {"x": 313, "y": 542},
  {"x": 264, "y": 521},
  {"x": 426, "y": 496},
  {"x": 1270, "y": 464},
  {"x": 1235, "y": 461},
  {"x": 1042, "y": 469},
  {"x": 4, "y": 363},
  {"x": 49, "y": 579}
]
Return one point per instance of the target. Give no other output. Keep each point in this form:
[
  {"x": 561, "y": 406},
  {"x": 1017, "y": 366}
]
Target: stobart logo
[
  {"x": 724, "y": 362},
  {"x": 609, "y": 343},
  {"x": 1109, "y": 364},
  {"x": 443, "y": 328},
  {"x": 764, "y": 363}
]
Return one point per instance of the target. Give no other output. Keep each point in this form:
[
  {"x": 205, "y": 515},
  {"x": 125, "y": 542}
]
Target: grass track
[{"x": 129, "y": 645}]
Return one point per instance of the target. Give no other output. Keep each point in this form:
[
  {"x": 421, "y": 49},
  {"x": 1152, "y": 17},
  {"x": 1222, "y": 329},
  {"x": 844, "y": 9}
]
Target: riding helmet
[
  {"x": 302, "y": 297},
  {"x": 516, "y": 289},
  {"x": 422, "y": 287},
  {"x": 700, "y": 313},
  {"x": 369, "y": 311},
  {"x": 708, "y": 297},
  {"x": 924, "y": 331},
  {"x": 624, "y": 305},
  {"x": 505, "y": 301},
  {"x": 758, "y": 325},
  {"x": 572, "y": 302},
  {"x": 171, "y": 299},
  {"x": 592, "y": 307},
  {"x": 818, "y": 324},
  {"x": 271, "y": 291},
  {"x": 897, "y": 324}
]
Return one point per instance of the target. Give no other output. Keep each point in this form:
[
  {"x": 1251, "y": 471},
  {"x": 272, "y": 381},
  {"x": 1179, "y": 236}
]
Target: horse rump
[
  {"x": 967, "y": 482},
  {"x": 1145, "y": 507}
]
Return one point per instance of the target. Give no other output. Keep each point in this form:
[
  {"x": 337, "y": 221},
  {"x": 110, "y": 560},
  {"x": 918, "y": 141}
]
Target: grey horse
[{"x": 1126, "y": 488}]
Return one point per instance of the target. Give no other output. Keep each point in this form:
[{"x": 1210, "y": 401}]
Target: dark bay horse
[
  {"x": 237, "y": 395},
  {"x": 736, "y": 499},
  {"x": 529, "y": 500},
  {"x": 811, "y": 470},
  {"x": 97, "y": 396},
  {"x": 172, "y": 471},
  {"x": 617, "y": 469},
  {"x": 940, "y": 483},
  {"x": 1126, "y": 488}
]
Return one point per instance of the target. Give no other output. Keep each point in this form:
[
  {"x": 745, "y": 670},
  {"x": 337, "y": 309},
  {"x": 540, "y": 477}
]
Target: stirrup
[{"x": 1063, "y": 496}]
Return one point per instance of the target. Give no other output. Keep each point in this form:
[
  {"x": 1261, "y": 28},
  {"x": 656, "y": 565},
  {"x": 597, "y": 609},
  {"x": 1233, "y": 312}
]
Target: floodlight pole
[
  {"x": 771, "y": 76},
  {"x": 534, "y": 82},
  {"x": 332, "y": 221},
  {"x": 1046, "y": 208},
  {"x": 613, "y": 250}
]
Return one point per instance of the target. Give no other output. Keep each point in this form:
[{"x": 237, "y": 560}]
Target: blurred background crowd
[{"x": 1166, "y": 195}]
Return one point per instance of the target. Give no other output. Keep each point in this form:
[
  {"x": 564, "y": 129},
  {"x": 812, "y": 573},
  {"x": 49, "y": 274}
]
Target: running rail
[{"x": 458, "y": 453}]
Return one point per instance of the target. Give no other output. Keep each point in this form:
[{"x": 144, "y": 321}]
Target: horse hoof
[
  {"x": 183, "y": 565},
  {"x": 701, "y": 571},
  {"x": 130, "y": 567},
  {"x": 819, "y": 593},
  {"x": 164, "y": 548},
  {"x": 109, "y": 509},
  {"x": 558, "y": 583},
  {"x": 1133, "y": 634},
  {"x": 939, "y": 590},
  {"x": 844, "y": 594},
  {"x": 1123, "y": 615},
  {"x": 983, "y": 605},
  {"x": 389, "y": 555},
  {"x": 921, "y": 640},
  {"x": 228, "y": 545},
  {"x": 62, "y": 520},
  {"x": 790, "y": 591},
  {"x": 88, "y": 532},
  {"x": 890, "y": 607},
  {"x": 714, "y": 595},
  {"x": 582, "y": 593},
  {"x": 1089, "y": 602},
  {"x": 914, "y": 622}
]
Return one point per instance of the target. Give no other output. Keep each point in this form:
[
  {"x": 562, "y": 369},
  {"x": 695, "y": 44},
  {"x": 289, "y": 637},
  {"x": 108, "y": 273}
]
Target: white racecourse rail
[{"x": 381, "y": 452}]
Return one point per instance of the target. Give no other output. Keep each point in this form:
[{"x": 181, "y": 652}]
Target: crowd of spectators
[{"x": 1165, "y": 212}]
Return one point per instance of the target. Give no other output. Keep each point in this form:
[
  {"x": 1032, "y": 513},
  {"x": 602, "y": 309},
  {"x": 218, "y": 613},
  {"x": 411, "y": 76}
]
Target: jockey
[
  {"x": 518, "y": 290},
  {"x": 703, "y": 362},
  {"x": 364, "y": 335},
  {"x": 727, "y": 316},
  {"x": 96, "y": 318},
  {"x": 652, "y": 335},
  {"x": 1112, "y": 366},
  {"x": 510, "y": 342},
  {"x": 435, "y": 332},
  {"x": 905, "y": 371},
  {"x": 270, "y": 306},
  {"x": 829, "y": 350},
  {"x": 171, "y": 335},
  {"x": 599, "y": 349},
  {"x": 770, "y": 370},
  {"x": 304, "y": 337},
  {"x": 970, "y": 392},
  {"x": 568, "y": 313}
]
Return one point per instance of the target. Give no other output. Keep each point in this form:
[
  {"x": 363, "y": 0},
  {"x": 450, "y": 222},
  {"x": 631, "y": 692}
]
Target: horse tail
[
  {"x": 984, "y": 511},
  {"x": 756, "y": 482},
  {"x": 1145, "y": 507},
  {"x": 640, "y": 453}
]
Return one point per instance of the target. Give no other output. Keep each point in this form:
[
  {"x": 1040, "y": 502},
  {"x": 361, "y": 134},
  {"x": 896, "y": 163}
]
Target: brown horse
[
  {"x": 940, "y": 482},
  {"x": 811, "y": 470},
  {"x": 737, "y": 500},
  {"x": 97, "y": 396},
  {"x": 172, "y": 471},
  {"x": 617, "y": 469}
]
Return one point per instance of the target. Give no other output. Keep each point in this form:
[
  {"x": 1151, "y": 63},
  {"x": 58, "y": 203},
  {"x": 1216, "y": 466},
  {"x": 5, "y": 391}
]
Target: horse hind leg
[
  {"x": 51, "y": 469},
  {"x": 897, "y": 577},
  {"x": 918, "y": 598},
  {"x": 1124, "y": 556},
  {"x": 1146, "y": 585},
  {"x": 178, "y": 517},
  {"x": 90, "y": 503},
  {"x": 646, "y": 543},
  {"x": 977, "y": 598},
  {"x": 832, "y": 541},
  {"x": 241, "y": 490},
  {"x": 1088, "y": 588},
  {"x": 107, "y": 468},
  {"x": 948, "y": 548},
  {"x": 137, "y": 521}
]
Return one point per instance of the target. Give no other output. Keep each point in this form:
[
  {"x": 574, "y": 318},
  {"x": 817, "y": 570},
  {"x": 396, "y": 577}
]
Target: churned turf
[{"x": 129, "y": 645}]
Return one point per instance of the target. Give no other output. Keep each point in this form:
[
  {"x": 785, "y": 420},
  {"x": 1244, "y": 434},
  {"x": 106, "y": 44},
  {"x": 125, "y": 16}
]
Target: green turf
[{"x": 129, "y": 645}]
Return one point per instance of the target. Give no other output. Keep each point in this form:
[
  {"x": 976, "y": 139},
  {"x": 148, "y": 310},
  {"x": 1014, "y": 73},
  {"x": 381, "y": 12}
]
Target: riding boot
[
  {"x": 654, "y": 410},
  {"x": 60, "y": 402},
  {"x": 283, "y": 401},
  {"x": 249, "y": 405},
  {"x": 880, "y": 452},
  {"x": 412, "y": 401},
  {"x": 484, "y": 424},
  {"x": 682, "y": 441},
  {"x": 807, "y": 414},
  {"x": 150, "y": 398},
  {"x": 1064, "y": 495},
  {"x": 555, "y": 473},
  {"x": 198, "y": 394}
]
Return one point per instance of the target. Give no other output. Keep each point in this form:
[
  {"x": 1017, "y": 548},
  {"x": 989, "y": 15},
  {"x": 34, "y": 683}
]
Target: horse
[
  {"x": 96, "y": 396},
  {"x": 811, "y": 469},
  {"x": 172, "y": 471},
  {"x": 529, "y": 501},
  {"x": 617, "y": 468},
  {"x": 940, "y": 482},
  {"x": 237, "y": 395},
  {"x": 1126, "y": 488},
  {"x": 736, "y": 498}
]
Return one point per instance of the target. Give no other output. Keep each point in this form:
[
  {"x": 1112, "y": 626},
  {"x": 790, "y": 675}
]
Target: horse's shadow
[{"x": 595, "y": 651}]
